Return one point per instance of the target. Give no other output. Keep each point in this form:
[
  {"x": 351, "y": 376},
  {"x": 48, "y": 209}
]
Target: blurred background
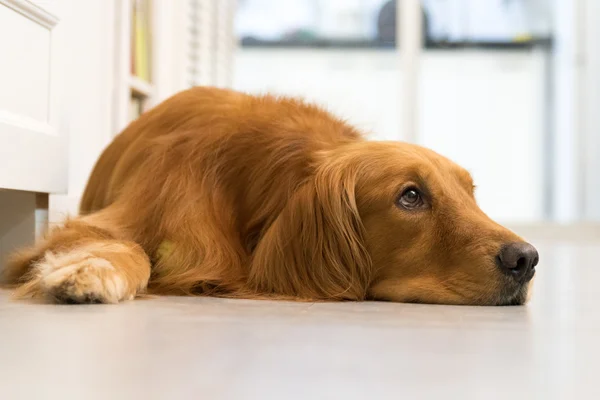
[
  {"x": 507, "y": 88},
  {"x": 478, "y": 88},
  {"x": 503, "y": 87}
]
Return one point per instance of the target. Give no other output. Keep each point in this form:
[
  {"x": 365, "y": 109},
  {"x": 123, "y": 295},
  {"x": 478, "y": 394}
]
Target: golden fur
[{"x": 265, "y": 197}]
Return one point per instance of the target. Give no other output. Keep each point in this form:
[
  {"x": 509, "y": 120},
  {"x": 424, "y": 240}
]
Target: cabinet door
[{"x": 32, "y": 141}]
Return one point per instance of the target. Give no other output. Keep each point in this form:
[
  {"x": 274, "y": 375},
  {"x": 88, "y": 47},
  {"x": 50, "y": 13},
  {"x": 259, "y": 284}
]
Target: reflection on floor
[{"x": 202, "y": 348}]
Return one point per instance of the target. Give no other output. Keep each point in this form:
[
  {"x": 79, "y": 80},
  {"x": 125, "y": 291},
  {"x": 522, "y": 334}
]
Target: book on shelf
[{"x": 141, "y": 39}]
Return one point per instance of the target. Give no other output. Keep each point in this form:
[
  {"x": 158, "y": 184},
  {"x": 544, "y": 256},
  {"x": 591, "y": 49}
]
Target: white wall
[
  {"x": 361, "y": 86},
  {"x": 566, "y": 119},
  {"x": 482, "y": 109},
  {"x": 591, "y": 147},
  {"x": 87, "y": 108},
  {"x": 576, "y": 136}
]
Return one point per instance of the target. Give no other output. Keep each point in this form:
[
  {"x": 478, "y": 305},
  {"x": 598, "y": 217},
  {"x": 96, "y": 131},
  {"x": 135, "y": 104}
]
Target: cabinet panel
[
  {"x": 32, "y": 140},
  {"x": 25, "y": 77}
]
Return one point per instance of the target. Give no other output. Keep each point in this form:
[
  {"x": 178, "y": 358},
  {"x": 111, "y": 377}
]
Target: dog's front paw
[{"x": 80, "y": 278}]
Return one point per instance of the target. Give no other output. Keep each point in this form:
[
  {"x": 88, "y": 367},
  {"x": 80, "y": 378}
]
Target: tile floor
[{"x": 203, "y": 348}]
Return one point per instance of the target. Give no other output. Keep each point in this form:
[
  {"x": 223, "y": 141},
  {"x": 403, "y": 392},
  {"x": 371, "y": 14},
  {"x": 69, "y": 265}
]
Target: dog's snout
[{"x": 518, "y": 260}]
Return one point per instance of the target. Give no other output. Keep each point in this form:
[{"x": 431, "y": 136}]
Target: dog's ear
[{"x": 315, "y": 248}]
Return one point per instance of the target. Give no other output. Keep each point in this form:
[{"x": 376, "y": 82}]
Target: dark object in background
[{"x": 386, "y": 23}]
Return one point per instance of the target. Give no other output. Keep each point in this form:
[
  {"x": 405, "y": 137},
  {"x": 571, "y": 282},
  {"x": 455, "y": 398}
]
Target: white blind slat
[{"x": 211, "y": 42}]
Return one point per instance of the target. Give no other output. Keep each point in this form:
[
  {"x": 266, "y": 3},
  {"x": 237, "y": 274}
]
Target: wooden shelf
[{"x": 139, "y": 87}]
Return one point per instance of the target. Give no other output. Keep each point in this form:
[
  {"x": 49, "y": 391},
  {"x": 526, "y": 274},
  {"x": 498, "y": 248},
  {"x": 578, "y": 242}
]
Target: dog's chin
[{"x": 513, "y": 296}]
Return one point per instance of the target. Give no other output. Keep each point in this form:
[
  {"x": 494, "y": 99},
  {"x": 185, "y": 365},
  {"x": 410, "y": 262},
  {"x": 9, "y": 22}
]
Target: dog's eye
[{"x": 410, "y": 198}]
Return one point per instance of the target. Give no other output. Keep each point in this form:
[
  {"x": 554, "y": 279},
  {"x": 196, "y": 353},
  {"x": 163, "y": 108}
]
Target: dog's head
[{"x": 392, "y": 221}]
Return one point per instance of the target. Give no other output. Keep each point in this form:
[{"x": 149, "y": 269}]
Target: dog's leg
[{"x": 88, "y": 260}]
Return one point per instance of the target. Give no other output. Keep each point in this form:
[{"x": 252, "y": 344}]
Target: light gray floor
[{"x": 202, "y": 348}]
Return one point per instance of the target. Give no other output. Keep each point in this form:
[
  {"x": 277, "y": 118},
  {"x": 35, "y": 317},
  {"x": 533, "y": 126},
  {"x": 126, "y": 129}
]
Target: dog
[{"x": 219, "y": 193}]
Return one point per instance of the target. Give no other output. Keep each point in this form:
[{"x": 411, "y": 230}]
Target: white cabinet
[
  {"x": 32, "y": 143},
  {"x": 33, "y": 147}
]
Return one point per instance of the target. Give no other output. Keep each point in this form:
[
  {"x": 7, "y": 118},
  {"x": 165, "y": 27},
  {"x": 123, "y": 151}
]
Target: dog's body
[{"x": 221, "y": 193}]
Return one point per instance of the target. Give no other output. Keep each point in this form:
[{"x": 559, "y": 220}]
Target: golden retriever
[{"x": 220, "y": 193}]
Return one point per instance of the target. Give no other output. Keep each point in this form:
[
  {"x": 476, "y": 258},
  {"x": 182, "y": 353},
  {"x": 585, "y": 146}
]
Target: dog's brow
[{"x": 465, "y": 177}]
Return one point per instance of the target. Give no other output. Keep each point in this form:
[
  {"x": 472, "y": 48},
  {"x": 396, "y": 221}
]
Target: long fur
[
  {"x": 256, "y": 197},
  {"x": 227, "y": 179}
]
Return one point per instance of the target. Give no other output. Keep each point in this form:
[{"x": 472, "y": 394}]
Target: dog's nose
[{"x": 518, "y": 260}]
